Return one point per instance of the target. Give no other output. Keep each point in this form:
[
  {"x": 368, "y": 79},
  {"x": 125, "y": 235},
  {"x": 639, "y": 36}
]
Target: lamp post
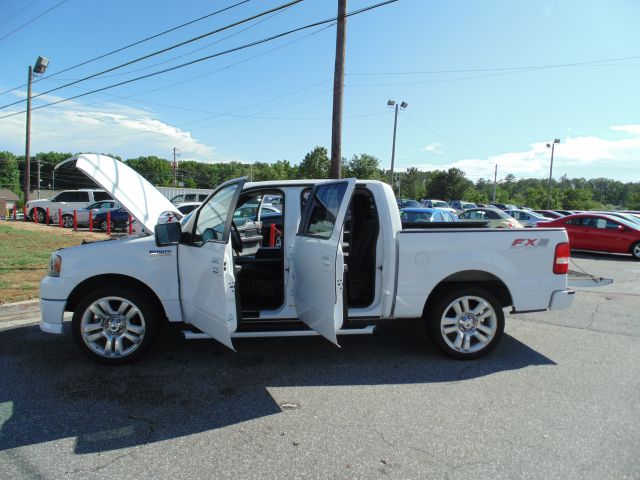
[
  {"x": 403, "y": 105},
  {"x": 39, "y": 68},
  {"x": 552, "y": 145}
]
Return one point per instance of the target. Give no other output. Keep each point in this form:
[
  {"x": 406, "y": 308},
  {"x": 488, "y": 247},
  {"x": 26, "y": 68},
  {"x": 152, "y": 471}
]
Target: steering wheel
[{"x": 236, "y": 240}]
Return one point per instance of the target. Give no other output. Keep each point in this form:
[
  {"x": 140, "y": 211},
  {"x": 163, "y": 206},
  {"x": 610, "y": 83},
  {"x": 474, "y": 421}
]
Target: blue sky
[{"x": 486, "y": 82}]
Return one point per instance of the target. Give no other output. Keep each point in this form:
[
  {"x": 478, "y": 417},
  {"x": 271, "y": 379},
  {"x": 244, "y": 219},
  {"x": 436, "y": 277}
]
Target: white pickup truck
[{"x": 343, "y": 263}]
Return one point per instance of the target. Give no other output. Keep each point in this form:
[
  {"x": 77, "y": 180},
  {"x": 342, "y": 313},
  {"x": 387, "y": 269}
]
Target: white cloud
[
  {"x": 432, "y": 148},
  {"x": 122, "y": 130},
  {"x": 610, "y": 157}
]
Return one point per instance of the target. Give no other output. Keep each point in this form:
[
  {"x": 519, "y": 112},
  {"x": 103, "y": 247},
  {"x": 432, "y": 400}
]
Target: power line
[
  {"x": 32, "y": 20},
  {"x": 158, "y": 52},
  {"x": 18, "y": 12},
  {"x": 131, "y": 44},
  {"x": 441, "y": 134},
  {"x": 226, "y": 67},
  {"x": 477, "y": 70},
  {"x": 197, "y": 49},
  {"x": 225, "y": 52}
]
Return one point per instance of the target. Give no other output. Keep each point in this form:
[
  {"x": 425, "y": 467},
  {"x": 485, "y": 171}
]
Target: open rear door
[{"x": 318, "y": 260}]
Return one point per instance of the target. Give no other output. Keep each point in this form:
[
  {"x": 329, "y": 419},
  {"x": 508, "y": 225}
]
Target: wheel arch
[
  {"x": 469, "y": 279},
  {"x": 115, "y": 280}
]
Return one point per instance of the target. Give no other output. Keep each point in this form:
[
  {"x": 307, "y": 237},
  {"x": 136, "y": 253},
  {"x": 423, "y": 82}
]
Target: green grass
[{"x": 24, "y": 253}]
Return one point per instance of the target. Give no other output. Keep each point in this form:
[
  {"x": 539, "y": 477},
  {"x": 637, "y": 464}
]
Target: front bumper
[
  {"x": 54, "y": 292},
  {"x": 561, "y": 299},
  {"x": 52, "y": 314}
]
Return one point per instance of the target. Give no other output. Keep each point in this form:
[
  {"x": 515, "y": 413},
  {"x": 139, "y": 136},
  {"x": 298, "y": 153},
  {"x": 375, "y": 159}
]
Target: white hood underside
[{"x": 125, "y": 185}]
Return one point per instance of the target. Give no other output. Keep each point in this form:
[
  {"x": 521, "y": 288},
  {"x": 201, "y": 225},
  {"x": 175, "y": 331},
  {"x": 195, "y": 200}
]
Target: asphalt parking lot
[{"x": 558, "y": 398}]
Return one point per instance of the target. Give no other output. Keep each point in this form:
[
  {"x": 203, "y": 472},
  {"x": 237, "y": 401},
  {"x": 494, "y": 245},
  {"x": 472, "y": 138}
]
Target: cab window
[
  {"x": 211, "y": 224},
  {"x": 321, "y": 217}
]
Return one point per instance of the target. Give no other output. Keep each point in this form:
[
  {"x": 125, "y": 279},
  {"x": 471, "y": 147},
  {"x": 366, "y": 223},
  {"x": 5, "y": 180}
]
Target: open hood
[{"x": 126, "y": 186}]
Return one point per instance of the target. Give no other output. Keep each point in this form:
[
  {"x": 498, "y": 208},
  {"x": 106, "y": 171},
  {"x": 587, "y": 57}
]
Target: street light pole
[
  {"x": 403, "y": 105},
  {"x": 27, "y": 148},
  {"x": 495, "y": 183},
  {"x": 40, "y": 67},
  {"x": 552, "y": 145}
]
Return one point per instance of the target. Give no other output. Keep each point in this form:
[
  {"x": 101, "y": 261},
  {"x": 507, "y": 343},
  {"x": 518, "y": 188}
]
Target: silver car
[
  {"x": 526, "y": 218},
  {"x": 426, "y": 215}
]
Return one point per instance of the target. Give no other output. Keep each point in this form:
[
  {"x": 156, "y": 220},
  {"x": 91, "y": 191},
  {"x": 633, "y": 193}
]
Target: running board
[{"x": 189, "y": 335}]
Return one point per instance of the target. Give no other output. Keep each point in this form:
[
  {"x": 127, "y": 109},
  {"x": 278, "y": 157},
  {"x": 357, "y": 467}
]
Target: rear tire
[
  {"x": 635, "y": 250},
  {"x": 115, "y": 325},
  {"x": 466, "y": 323}
]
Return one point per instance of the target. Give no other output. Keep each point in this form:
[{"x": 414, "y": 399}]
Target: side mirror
[
  {"x": 621, "y": 228},
  {"x": 168, "y": 234}
]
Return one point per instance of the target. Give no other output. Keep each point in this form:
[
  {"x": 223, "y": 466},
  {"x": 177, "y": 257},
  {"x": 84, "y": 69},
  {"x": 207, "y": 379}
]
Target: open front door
[
  {"x": 206, "y": 268},
  {"x": 318, "y": 261}
]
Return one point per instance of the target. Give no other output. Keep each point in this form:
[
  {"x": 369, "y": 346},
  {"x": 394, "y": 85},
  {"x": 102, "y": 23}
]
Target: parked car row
[
  {"x": 82, "y": 215},
  {"x": 66, "y": 200},
  {"x": 602, "y": 232}
]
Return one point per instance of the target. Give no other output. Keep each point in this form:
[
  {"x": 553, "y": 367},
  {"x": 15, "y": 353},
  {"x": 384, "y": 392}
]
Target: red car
[{"x": 599, "y": 232}]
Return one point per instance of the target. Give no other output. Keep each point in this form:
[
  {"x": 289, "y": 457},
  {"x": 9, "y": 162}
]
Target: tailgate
[{"x": 577, "y": 279}]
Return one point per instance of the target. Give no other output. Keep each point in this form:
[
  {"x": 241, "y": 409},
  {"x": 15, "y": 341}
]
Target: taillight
[{"x": 561, "y": 259}]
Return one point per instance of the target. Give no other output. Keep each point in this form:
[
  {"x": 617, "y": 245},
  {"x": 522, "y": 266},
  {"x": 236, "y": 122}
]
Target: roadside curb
[{"x": 19, "y": 307}]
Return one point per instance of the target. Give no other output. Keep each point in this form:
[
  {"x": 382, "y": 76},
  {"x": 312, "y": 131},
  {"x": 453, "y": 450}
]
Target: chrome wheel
[
  {"x": 113, "y": 327},
  {"x": 468, "y": 324},
  {"x": 635, "y": 250},
  {"x": 39, "y": 213},
  {"x": 67, "y": 221}
]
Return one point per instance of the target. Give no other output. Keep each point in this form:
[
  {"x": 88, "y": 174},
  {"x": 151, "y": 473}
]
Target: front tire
[
  {"x": 635, "y": 250},
  {"x": 113, "y": 325},
  {"x": 67, "y": 221},
  {"x": 466, "y": 323},
  {"x": 39, "y": 213}
]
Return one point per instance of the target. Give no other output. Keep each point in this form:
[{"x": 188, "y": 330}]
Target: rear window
[
  {"x": 73, "y": 197},
  {"x": 101, "y": 196},
  {"x": 415, "y": 217}
]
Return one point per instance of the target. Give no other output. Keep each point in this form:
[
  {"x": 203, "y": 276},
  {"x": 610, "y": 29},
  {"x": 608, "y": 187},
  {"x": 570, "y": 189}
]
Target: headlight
[{"x": 55, "y": 265}]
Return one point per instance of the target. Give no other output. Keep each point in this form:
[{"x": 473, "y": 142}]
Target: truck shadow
[{"x": 50, "y": 391}]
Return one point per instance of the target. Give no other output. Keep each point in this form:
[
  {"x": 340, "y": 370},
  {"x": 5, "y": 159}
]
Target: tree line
[{"x": 451, "y": 184}]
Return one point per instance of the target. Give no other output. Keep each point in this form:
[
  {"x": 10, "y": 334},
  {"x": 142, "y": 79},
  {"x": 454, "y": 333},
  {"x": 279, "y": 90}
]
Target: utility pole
[
  {"x": 495, "y": 183},
  {"x": 338, "y": 91},
  {"x": 175, "y": 166},
  {"x": 27, "y": 148}
]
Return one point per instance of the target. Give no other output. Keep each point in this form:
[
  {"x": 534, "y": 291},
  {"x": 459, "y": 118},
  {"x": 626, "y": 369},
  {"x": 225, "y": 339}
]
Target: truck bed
[{"x": 519, "y": 258}]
